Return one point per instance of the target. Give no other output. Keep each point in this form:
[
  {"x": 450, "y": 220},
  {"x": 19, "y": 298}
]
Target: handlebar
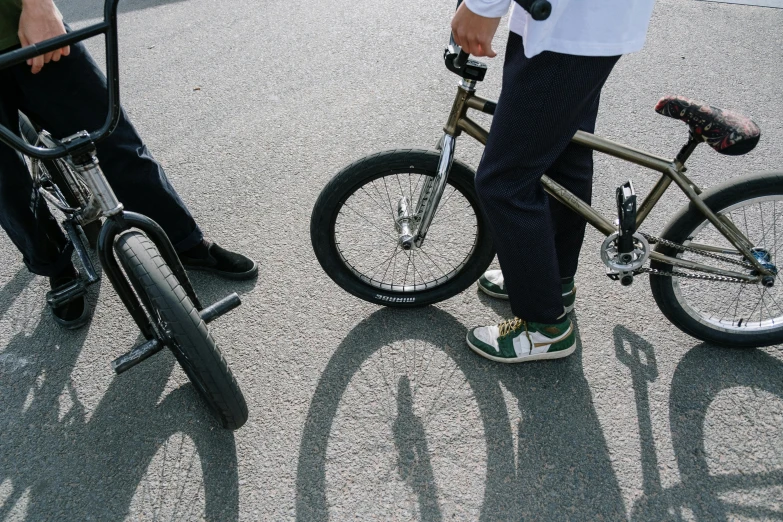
[
  {"x": 107, "y": 27},
  {"x": 538, "y": 9}
]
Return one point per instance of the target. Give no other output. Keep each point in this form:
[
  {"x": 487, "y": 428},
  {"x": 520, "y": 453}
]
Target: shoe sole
[
  {"x": 241, "y": 276},
  {"x": 538, "y": 357},
  {"x": 568, "y": 309}
]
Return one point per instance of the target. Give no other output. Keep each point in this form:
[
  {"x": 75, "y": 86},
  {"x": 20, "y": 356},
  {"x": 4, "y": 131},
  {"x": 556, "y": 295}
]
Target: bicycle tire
[
  {"x": 364, "y": 171},
  {"x": 680, "y": 230},
  {"x": 193, "y": 345},
  {"x": 28, "y": 131}
]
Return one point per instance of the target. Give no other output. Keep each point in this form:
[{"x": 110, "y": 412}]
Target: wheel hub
[{"x": 763, "y": 256}]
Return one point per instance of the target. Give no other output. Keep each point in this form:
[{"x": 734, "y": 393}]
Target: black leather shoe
[
  {"x": 211, "y": 257},
  {"x": 67, "y": 300}
]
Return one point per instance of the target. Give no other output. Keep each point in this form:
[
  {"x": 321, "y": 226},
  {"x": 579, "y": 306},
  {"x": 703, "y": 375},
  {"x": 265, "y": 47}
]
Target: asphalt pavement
[{"x": 362, "y": 412}]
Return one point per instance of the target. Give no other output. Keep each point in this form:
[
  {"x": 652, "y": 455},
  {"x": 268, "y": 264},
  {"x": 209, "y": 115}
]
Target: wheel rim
[
  {"x": 367, "y": 239},
  {"x": 733, "y": 307}
]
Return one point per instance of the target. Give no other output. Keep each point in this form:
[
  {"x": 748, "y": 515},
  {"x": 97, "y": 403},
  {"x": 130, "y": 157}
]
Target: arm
[
  {"x": 39, "y": 21},
  {"x": 475, "y": 23}
]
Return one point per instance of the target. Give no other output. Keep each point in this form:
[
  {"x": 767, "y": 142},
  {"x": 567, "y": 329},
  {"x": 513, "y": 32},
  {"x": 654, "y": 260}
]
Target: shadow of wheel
[
  {"x": 700, "y": 380},
  {"x": 436, "y": 337},
  {"x": 187, "y": 470}
]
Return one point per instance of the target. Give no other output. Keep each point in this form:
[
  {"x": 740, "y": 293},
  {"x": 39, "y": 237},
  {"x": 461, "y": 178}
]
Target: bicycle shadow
[
  {"x": 60, "y": 462},
  {"x": 560, "y": 467},
  {"x": 700, "y": 376}
]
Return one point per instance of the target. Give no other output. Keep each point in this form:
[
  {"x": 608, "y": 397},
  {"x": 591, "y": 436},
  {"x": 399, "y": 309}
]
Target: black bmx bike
[
  {"x": 404, "y": 228},
  {"x": 135, "y": 253}
]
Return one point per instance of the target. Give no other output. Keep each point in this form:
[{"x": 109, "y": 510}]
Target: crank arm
[{"x": 78, "y": 246}]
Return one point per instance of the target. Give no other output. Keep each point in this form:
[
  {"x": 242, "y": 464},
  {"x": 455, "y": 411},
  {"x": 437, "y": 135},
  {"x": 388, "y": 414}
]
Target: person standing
[{"x": 553, "y": 74}]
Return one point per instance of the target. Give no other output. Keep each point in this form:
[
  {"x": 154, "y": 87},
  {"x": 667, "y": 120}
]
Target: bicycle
[
  {"x": 404, "y": 228},
  {"x": 135, "y": 253}
]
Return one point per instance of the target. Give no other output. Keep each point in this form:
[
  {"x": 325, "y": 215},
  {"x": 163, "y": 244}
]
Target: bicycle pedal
[
  {"x": 64, "y": 295},
  {"x": 138, "y": 354},
  {"x": 625, "y": 278}
]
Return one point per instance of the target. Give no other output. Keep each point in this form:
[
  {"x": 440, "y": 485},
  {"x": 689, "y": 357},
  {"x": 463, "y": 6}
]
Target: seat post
[{"x": 687, "y": 150}]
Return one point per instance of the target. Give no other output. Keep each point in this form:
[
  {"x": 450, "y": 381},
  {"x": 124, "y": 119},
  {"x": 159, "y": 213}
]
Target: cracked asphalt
[{"x": 361, "y": 412}]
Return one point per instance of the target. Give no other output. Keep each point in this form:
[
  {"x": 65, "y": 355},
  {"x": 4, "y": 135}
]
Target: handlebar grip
[
  {"x": 539, "y": 9},
  {"x": 461, "y": 59},
  {"x": 31, "y": 51}
]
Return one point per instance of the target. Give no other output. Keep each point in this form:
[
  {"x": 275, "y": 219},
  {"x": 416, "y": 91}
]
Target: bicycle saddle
[{"x": 727, "y": 132}]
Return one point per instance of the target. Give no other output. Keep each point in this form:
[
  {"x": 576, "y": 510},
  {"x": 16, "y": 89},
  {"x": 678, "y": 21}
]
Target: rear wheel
[
  {"x": 173, "y": 312},
  {"x": 355, "y": 235},
  {"x": 725, "y": 313}
]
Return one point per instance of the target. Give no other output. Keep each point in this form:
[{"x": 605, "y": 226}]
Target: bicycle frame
[
  {"x": 78, "y": 154},
  {"x": 671, "y": 170}
]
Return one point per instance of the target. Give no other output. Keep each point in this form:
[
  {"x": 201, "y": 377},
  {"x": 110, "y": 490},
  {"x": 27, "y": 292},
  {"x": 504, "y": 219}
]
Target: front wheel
[
  {"x": 726, "y": 313},
  {"x": 172, "y": 311},
  {"x": 355, "y": 231}
]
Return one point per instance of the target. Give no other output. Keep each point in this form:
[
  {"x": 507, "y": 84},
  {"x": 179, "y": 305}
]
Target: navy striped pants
[{"x": 544, "y": 101}]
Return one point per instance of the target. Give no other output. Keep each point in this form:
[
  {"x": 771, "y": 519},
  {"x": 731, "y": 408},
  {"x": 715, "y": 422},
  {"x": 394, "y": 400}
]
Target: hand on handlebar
[
  {"x": 40, "y": 20},
  {"x": 474, "y": 33}
]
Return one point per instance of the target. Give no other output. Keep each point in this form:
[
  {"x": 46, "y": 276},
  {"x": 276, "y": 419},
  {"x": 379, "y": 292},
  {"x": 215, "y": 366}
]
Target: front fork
[
  {"x": 428, "y": 201},
  {"x": 431, "y": 192}
]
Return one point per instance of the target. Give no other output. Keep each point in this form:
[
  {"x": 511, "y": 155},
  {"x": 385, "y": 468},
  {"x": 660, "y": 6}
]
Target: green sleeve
[{"x": 9, "y": 22}]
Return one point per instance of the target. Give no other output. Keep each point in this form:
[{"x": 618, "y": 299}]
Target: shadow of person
[
  {"x": 560, "y": 468},
  {"x": 34, "y": 378},
  {"x": 701, "y": 375},
  {"x": 413, "y": 461},
  {"x": 73, "y": 466},
  {"x": 439, "y": 331},
  {"x": 563, "y": 469}
]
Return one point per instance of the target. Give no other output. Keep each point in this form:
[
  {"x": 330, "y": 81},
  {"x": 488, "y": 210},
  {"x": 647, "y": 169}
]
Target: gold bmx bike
[{"x": 404, "y": 228}]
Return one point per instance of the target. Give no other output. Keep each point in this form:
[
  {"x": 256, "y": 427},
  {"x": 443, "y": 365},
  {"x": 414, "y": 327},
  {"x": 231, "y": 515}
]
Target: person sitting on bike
[
  {"x": 552, "y": 78},
  {"x": 65, "y": 92}
]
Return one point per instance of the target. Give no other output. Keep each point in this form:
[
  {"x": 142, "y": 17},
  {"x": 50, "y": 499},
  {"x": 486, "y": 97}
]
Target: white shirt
[{"x": 579, "y": 27}]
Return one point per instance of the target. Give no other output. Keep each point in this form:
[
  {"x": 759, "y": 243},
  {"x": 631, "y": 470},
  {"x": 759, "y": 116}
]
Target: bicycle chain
[
  {"x": 682, "y": 248},
  {"x": 687, "y": 275}
]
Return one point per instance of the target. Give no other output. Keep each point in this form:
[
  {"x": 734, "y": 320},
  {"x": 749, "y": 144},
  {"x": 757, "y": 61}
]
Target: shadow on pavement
[
  {"x": 413, "y": 461},
  {"x": 13, "y": 288},
  {"x": 560, "y": 469},
  {"x": 59, "y": 462},
  {"x": 701, "y": 375}
]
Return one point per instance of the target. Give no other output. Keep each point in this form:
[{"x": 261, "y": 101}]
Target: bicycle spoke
[
  {"x": 364, "y": 235},
  {"x": 749, "y": 307}
]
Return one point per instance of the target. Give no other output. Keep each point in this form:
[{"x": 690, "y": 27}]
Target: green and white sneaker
[
  {"x": 492, "y": 283},
  {"x": 515, "y": 340}
]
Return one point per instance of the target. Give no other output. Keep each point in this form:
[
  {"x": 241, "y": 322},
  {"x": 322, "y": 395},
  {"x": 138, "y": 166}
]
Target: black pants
[
  {"x": 64, "y": 98},
  {"x": 544, "y": 101}
]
